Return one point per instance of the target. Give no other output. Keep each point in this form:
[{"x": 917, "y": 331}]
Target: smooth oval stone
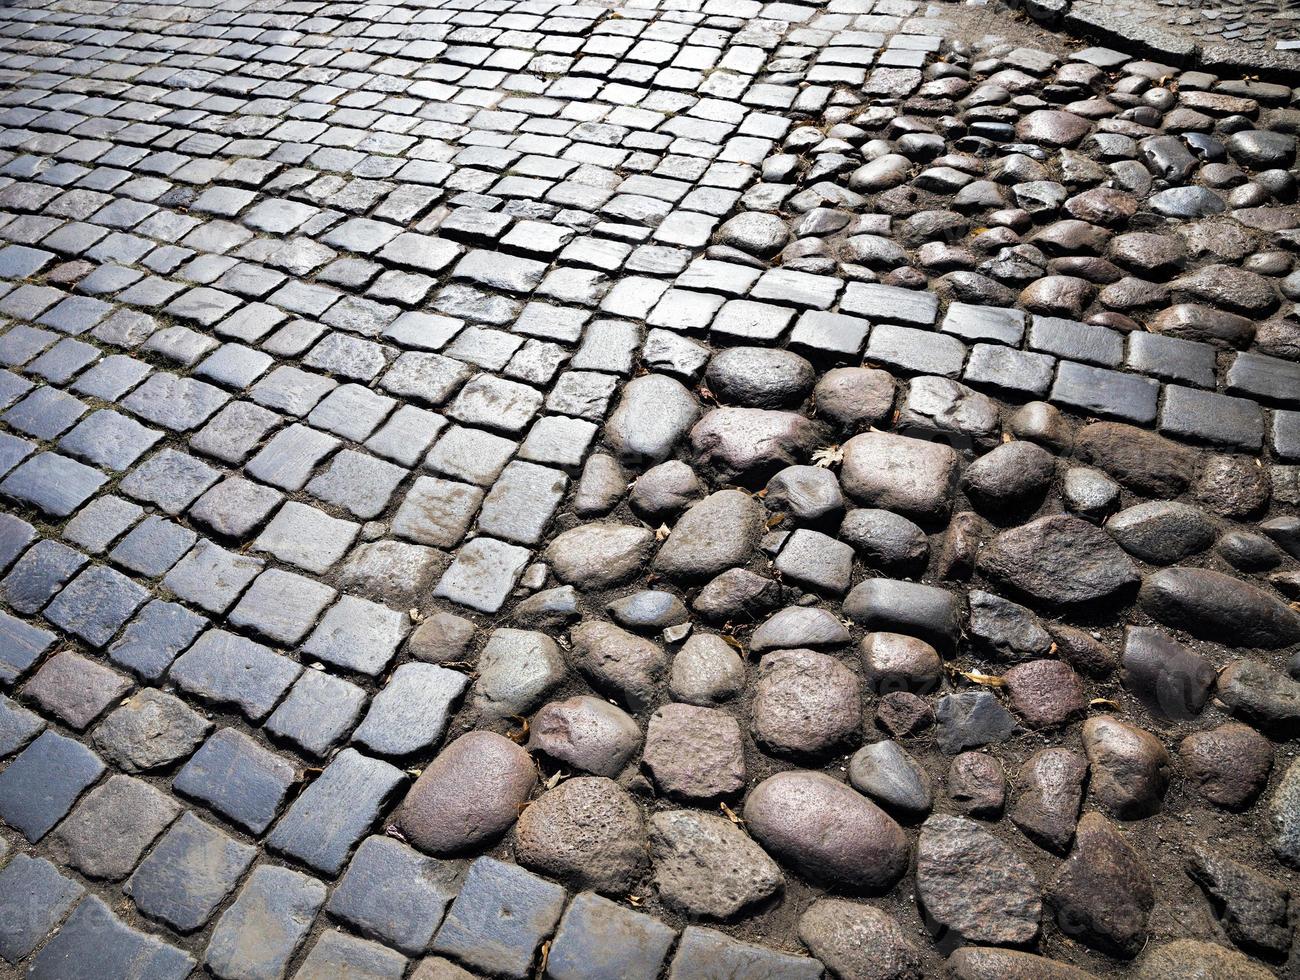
[
  {"x": 885, "y": 772},
  {"x": 802, "y": 627},
  {"x": 469, "y": 795},
  {"x": 648, "y": 610},
  {"x": 597, "y": 556},
  {"x": 706, "y": 672},
  {"x": 1262, "y": 696},
  {"x": 826, "y": 831},
  {"x": 1161, "y": 531},
  {"x": 665, "y": 490},
  {"x": 1012, "y": 477},
  {"x": 1214, "y": 606},
  {"x": 752, "y": 443},
  {"x": 885, "y": 540},
  {"x": 895, "y": 662},
  {"x": 754, "y": 232},
  {"x": 1059, "y": 561},
  {"x": 654, "y": 413},
  {"x": 990, "y": 963},
  {"x": 759, "y": 377},
  {"x": 1191, "y": 959},
  {"x": 1171, "y": 679}
]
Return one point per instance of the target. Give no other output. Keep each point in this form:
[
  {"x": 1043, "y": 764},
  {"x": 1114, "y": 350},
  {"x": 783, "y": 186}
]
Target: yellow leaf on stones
[
  {"x": 828, "y": 456},
  {"x": 987, "y": 680}
]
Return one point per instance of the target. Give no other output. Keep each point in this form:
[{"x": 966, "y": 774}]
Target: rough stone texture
[
  {"x": 707, "y": 866},
  {"x": 1103, "y": 894}
]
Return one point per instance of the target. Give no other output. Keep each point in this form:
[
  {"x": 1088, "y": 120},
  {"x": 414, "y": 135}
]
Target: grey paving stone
[
  {"x": 289, "y": 458},
  {"x": 335, "y": 811},
  {"x": 425, "y": 376},
  {"x": 411, "y": 713},
  {"x": 230, "y": 670},
  {"x": 1105, "y": 393},
  {"x": 336, "y": 954},
  {"x": 1206, "y": 417},
  {"x": 15, "y": 535},
  {"x": 101, "y": 522},
  {"x": 598, "y": 937},
  {"x": 211, "y": 577},
  {"x": 437, "y": 512},
  {"x": 358, "y": 635},
  {"x": 407, "y": 435},
  {"x": 395, "y": 894},
  {"x": 496, "y": 403},
  {"x": 484, "y": 572},
  {"x": 989, "y": 323},
  {"x": 73, "y": 689},
  {"x": 170, "y": 479},
  {"x": 521, "y": 503},
  {"x": 18, "y": 726},
  {"x": 1009, "y": 370},
  {"x": 188, "y": 874},
  {"x": 359, "y": 483},
  {"x": 291, "y": 390},
  {"x": 238, "y": 778},
  {"x": 470, "y": 455},
  {"x": 13, "y": 451},
  {"x": 40, "y": 785},
  {"x": 1171, "y": 358},
  {"x": 106, "y": 438},
  {"x": 306, "y": 537},
  {"x": 43, "y": 569},
  {"x": 703, "y": 953},
  {"x": 45, "y": 413},
  {"x": 500, "y": 918},
  {"x": 890, "y": 304},
  {"x": 235, "y": 507},
  {"x": 155, "y": 637},
  {"x": 1076, "y": 341},
  {"x": 351, "y": 411},
  {"x": 95, "y": 604},
  {"x": 282, "y": 606},
  {"x": 21, "y": 645},
  {"x": 52, "y": 483},
  {"x": 175, "y": 403},
  {"x": 153, "y": 546},
  {"x": 319, "y": 710},
  {"x": 235, "y": 431},
  {"x": 915, "y": 351},
  {"x": 257, "y": 936},
  {"x": 37, "y": 897},
  {"x": 112, "y": 827},
  {"x": 94, "y": 943},
  {"x": 150, "y": 730}
]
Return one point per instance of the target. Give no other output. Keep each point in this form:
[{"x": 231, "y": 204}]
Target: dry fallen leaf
[
  {"x": 1107, "y": 702},
  {"x": 731, "y": 641},
  {"x": 730, "y": 814},
  {"x": 774, "y": 520},
  {"x": 987, "y": 680},
  {"x": 634, "y": 901},
  {"x": 521, "y": 733},
  {"x": 546, "y": 955},
  {"x": 828, "y": 456},
  {"x": 662, "y": 532}
]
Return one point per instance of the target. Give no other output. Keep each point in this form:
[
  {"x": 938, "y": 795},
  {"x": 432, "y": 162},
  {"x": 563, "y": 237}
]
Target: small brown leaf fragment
[
  {"x": 730, "y": 814},
  {"x": 775, "y": 519},
  {"x": 985, "y": 680}
]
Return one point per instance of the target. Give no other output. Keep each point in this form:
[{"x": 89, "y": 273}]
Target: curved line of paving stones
[{"x": 274, "y": 632}]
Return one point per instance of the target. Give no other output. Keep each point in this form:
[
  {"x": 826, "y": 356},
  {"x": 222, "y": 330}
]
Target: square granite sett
[
  {"x": 1267, "y": 379},
  {"x": 891, "y": 304},
  {"x": 75, "y": 690},
  {"x": 1104, "y": 393},
  {"x": 598, "y": 937},
  {"x": 18, "y": 726},
  {"x": 227, "y": 669},
  {"x": 21, "y": 645},
  {"x": 153, "y": 546},
  {"x": 150, "y": 730},
  {"x": 915, "y": 351},
  {"x": 237, "y": 778},
  {"x": 188, "y": 874},
  {"x": 112, "y": 827},
  {"x": 984, "y": 323},
  {"x": 1009, "y": 370},
  {"x": 483, "y": 574},
  {"x": 282, "y": 606},
  {"x": 291, "y": 456},
  {"x": 170, "y": 479},
  {"x": 109, "y": 439},
  {"x": 211, "y": 577},
  {"x": 1171, "y": 358},
  {"x": 334, "y": 811},
  {"x": 501, "y": 916},
  {"x": 95, "y": 943},
  {"x": 36, "y": 897},
  {"x": 703, "y": 954},
  {"x": 336, "y": 954},
  {"x": 52, "y": 483},
  {"x": 1213, "y": 419},
  {"x": 40, "y": 785},
  {"x": 95, "y": 604},
  {"x": 359, "y": 635},
  {"x": 317, "y": 713},
  {"x": 395, "y": 894},
  {"x": 40, "y": 573},
  {"x": 259, "y": 933},
  {"x": 155, "y": 637},
  {"x": 412, "y": 711},
  {"x": 1075, "y": 341}
]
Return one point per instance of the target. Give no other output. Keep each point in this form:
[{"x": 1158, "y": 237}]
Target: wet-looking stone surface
[{"x": 647, "y": 488}]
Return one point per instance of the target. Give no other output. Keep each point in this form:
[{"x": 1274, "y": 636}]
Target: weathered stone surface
[
  {"x": 627, "y": 666},
  {"x": 859, "y": 941},
  {"x": 1254, "y": 906},
  {"x": 597, "y": 556},
  {"x": 805, "y": 703},
  {"x": 706, "y": 865},
  {"x": 654, "y": 413},
  {"x": 1059, "y": 561},
  {"x": 587, "y": 733},
  {"x": 586, "y": 832},
  {"x": 986, "y": 963},
  {"x": 973, "y": 887},
  {"x": 718, "y": 533},
  {"x": 826, "y": 832},
  {"x": 1130, "y": 767},
  {"x": 1049, "y": 792},
  {"x": 1261, "y": 696},
  {"x": 885, "y": 772},
  {"x": 1184, "y": 958},
  {"x": 1103, "y": 894},
  {"x": 1229, "y": 765},
  {"x": 750, "y": 444},
  {"x": 1139, "y": 459},
  {"x": 1172, "y": 680},
  {"x": 694, "y": 753}
]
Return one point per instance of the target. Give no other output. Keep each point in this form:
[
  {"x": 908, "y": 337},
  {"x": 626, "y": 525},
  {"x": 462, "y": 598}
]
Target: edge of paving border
[{"x": 1104, "y": 24}]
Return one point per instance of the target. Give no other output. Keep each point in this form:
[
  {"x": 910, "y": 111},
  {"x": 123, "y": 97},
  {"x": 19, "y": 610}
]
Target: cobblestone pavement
[{"x": 706, "y": 489}]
